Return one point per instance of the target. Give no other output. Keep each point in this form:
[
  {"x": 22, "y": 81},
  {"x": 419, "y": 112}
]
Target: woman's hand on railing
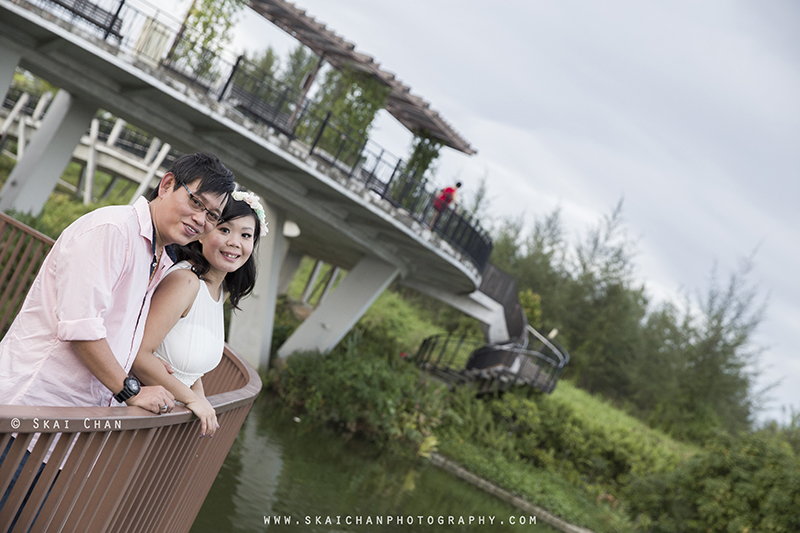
[
  {"x": 208, "y": 417},
  {"x": 155, "y": 399}
]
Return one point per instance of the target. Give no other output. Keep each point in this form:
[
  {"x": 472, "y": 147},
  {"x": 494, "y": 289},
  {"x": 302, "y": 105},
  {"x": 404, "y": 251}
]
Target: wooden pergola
[{"x": 409, "y": 109}]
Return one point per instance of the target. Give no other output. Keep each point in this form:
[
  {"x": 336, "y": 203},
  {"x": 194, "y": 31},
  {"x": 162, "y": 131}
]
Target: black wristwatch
[{"x": 131, "y": 389}]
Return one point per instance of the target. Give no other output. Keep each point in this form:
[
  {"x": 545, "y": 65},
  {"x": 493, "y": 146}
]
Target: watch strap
[{"x": 127, "y": 392}]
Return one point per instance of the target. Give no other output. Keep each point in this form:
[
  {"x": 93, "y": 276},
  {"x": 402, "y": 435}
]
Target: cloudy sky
[{"x": 689, "y": 110}]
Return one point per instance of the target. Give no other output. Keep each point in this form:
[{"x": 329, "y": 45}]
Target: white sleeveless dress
[{"x": 194, "y": 346}]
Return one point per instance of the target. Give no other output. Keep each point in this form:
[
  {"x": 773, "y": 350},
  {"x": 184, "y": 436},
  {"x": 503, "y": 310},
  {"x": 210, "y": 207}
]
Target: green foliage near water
[
  {"x": 361, "y": 386},
  {"x": 364, "y": 385},
  {"x": 570, "y": 452}
]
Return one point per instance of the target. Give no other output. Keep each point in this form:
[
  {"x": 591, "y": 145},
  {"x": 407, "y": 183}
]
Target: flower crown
[{"x": 255, "y": 204}]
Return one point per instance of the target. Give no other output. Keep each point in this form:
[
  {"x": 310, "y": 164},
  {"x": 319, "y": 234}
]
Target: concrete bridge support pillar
[
  {"x": 312, "y": 281},
  {"x": 476, "y": 304},
  {"x": 334, "y": 273},
  {"x": 331, "y": 321},
  {"x": 30, "y": 183},
  {"x": 288, "y": 270},
  {"x": 250, "y": 333},
  {"x": 8, "y": 63}
]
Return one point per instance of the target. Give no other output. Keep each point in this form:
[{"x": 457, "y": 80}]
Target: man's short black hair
[{"x": 215, "y": 178}]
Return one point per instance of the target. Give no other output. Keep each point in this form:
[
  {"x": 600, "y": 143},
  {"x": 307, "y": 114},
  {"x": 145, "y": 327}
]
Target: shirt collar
[{"x": 146, "y": 227}]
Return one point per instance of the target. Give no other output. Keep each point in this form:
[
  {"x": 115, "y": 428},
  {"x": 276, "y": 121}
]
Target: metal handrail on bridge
[
  {"x": 254, "y": 93},
  {"x": 493, "y": 366}
]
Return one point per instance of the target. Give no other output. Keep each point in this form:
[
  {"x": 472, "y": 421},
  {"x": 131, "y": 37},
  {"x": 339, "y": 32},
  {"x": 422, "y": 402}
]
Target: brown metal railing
[
  {"x": 108, "y": 469},
  {"x": 120, "y": 468},
  {"x": 22, "y": 251}
]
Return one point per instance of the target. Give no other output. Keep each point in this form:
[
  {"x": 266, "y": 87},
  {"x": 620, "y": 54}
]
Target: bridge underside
[{"x": 341, "y": 221}]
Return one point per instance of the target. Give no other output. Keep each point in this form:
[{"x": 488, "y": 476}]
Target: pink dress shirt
[{"x": 95, "y": 284}]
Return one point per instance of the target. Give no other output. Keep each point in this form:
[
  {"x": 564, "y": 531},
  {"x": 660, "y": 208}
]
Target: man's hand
[{"x": 153, "y": 399}]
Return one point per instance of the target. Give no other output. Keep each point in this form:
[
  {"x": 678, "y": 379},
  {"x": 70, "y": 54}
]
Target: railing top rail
[
  {"x": 560, "y": 352},
  {"x": 73, "y": 419},
  {"x": 468, "y": 343},
  {"x": 26, "y": 229}
]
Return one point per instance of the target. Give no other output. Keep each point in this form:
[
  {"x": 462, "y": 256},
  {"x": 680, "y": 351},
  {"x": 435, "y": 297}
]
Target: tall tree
[
  {"x": 353, "y": 98},
  {"x": 710, "y": 357},
  {"x": 205, "y": 34},
  {"x": 688, "y": 368},
  {"x": 301, "y": 62},
  {"x": 265, "y": 62},
  {"x": 424, "y": 151},
  {"x": 477, "y": 203}
]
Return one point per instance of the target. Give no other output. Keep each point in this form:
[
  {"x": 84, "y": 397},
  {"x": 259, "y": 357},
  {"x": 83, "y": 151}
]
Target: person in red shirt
[{"x": 445, "y": 197}]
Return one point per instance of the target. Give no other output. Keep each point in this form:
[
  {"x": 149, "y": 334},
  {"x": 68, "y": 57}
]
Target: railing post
[
  {"x": 298, "y": 119},
  {"x": 455, "y": 352},
  {"x": 114, "y": 19},
  {"x": 377, "y": 162},
  {"x": 391, "y": 178},
  {"x": 341, "y": 146},
  {"x": 319, "y": 134},
  {"x": 230, "y": 78},
  {"x": 277, "y": 109},
  {"x": 441, "y": 353},
  {"x": 357, "y": 159}
]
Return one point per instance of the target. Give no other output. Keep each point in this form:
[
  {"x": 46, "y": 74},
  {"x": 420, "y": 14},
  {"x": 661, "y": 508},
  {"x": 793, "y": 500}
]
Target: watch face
[{"x": 133, "y": 384}]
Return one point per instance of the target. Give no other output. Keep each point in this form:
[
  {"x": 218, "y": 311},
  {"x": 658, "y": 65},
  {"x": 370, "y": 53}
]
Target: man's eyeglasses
[{"x": 200, "y": 206}]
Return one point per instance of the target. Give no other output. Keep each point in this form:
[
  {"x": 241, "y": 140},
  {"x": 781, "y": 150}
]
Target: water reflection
[{"x": 279, "y": 468}]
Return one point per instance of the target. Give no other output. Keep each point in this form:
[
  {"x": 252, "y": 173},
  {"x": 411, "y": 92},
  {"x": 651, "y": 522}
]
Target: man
[{"x": 77, "y": 334}]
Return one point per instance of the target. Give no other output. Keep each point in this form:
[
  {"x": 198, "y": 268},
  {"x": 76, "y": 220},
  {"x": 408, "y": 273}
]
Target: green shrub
[
  {"x": 570, "y": 433},
  {"x": 365, "y": 386},
  {"x": 749, "y": 483}
]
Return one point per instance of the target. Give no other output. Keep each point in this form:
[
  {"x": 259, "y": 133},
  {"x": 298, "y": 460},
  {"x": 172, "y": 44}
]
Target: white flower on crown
[{"x": 255, "y": 204}]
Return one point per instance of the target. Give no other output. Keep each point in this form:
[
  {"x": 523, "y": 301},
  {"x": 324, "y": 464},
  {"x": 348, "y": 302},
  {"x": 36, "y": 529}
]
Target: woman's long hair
[{"x": 239, "y": 283}]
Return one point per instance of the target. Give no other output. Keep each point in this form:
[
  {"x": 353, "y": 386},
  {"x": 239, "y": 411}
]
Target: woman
[{"x": 185, "y": 326}]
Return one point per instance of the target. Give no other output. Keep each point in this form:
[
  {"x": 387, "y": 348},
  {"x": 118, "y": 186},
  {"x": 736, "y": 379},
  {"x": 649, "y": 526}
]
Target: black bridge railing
[
  {"x": 493, "y": 366},
  {"x": 156, "y": 40},
  {"x": 502, "y": 288}
]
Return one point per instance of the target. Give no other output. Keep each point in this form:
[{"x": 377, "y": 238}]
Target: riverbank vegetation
[
  {"x": 652, "y": 428},
  {"x": 572, "y": 453}
]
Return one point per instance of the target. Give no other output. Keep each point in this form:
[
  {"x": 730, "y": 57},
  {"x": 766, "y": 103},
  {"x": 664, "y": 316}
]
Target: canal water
[{"x": 282, "y": 468}]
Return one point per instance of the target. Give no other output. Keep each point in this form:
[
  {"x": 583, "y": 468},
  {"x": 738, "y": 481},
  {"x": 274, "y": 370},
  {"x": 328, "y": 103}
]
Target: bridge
[{"x": 352, "y": 202}]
